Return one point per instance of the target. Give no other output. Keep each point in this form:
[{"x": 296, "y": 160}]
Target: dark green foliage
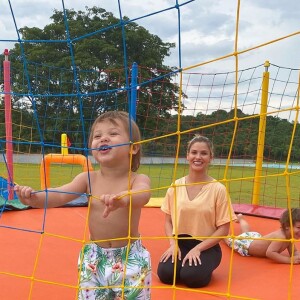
[
  {"x": 64, "y": 93},
  {"x": 79, "y": 66}
]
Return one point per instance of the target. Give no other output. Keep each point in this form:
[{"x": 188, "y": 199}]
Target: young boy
[
  {"x": 272, "y": 245},
  {"x": 115, "y": 190}
]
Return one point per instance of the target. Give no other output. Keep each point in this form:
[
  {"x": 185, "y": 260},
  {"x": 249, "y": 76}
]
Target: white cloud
[{"x": 207, "y": 27}]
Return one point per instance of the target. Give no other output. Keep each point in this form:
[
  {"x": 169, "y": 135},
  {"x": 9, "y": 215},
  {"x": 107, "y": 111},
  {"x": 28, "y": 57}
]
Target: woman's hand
[
  {"x": 193, "y": 256},
  {"x": 171, "y": 253}
]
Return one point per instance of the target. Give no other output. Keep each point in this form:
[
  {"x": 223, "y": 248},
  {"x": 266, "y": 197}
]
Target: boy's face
[
  {"x": 107, "y": 134},
  {"x": 296, "y": 231}
]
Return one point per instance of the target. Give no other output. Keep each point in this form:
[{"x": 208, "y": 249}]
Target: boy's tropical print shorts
[
  {"x": 102, "y": 273},
  {"x": 242, "y": 243}
]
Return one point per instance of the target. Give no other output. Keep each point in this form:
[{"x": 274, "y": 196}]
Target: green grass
[{"x": 239, "y": 180}]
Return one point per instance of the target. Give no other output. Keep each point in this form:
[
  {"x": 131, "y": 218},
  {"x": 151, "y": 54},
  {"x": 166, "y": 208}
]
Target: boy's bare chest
[{"x": 100, "y": 185}]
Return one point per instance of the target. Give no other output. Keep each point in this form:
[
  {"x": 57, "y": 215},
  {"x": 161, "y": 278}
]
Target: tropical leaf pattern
[{"x": 102, "y": 273}]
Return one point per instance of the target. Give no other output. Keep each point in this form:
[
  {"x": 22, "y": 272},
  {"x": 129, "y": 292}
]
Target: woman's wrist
[
  {"x": 172, "y": 242},
  {"x": 198, "y": 247}
]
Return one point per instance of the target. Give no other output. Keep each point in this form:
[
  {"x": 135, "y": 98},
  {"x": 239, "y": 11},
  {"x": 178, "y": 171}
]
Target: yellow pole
[
  {"x": 64, "y": 144},
  {"x": 261, "y": 135}
]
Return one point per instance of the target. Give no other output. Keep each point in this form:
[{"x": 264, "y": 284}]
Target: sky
[{"x": 207, "y": 28}]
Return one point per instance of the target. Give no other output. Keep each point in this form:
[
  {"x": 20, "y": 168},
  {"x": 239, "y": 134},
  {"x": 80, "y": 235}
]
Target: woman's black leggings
[{"x": 192, "y": 276}]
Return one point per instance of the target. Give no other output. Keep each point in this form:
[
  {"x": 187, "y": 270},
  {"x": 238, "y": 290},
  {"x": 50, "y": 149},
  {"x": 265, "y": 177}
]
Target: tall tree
[{"x": 69, "y": 91}]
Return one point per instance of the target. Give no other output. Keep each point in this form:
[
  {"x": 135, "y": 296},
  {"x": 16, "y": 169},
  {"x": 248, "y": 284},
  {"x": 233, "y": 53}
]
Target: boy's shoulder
[
  {"x": 138, "y": 177},
  {"x": 276, "y": 234},
  {"x": 85, "y": 176},
  {"x": 87, "y": 173}
]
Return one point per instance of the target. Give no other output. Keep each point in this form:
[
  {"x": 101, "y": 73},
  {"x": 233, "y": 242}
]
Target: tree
[{"x": 69, "y": 91}]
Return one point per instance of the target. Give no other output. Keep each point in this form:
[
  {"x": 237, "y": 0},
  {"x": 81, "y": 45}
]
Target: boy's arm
[
  {"x": 54, "y": 196},
  {"x": 140, "y": 196},
  {"x": 274, "y": 252},
  {"x": 140, "y": 191},
  {"x": 296, "y": 252}
]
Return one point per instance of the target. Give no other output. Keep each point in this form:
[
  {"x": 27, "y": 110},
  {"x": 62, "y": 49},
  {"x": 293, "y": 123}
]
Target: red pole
[{"x": 8, "y": 125}]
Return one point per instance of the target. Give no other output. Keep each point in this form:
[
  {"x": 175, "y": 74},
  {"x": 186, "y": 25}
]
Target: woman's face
[{"x": 199, "y": 156}]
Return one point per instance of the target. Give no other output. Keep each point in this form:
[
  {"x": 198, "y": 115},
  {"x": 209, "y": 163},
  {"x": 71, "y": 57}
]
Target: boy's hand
[
  {"x": 25, "y": 194},
  {"x": 113, "y": 202},
  {"x": 296, "y": 260}
]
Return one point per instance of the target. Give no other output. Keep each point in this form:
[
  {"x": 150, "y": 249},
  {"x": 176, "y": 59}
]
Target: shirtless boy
[
  {"x": 115, "y": 190},
  {"x": 271, "y": 245}
]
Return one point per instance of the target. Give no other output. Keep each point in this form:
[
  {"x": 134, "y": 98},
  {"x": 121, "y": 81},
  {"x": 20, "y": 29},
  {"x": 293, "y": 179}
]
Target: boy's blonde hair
[
  {"x": 285, "y": 221},
  {"x": 122, "y": 116}
]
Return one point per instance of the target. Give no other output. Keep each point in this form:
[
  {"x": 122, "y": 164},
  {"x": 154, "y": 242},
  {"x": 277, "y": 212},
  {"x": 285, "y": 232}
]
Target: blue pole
[{"x": 133, "y": 89}]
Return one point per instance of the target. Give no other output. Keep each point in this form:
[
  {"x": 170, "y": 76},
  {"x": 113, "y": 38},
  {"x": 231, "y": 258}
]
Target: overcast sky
[
  {"x": 208, "y": 30},
  {"x": 207, "y": 26}
]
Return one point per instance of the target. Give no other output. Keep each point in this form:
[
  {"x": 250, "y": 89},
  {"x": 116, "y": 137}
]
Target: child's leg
[
  {"x": 90, "y": 277},
  {"x": 102, "y": 271},
  {"x": 138, "y": 273},
  {"x": 244, "y": 225}
]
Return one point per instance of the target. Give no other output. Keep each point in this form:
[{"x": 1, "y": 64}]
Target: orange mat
[{"x": 53, "y": 255}]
